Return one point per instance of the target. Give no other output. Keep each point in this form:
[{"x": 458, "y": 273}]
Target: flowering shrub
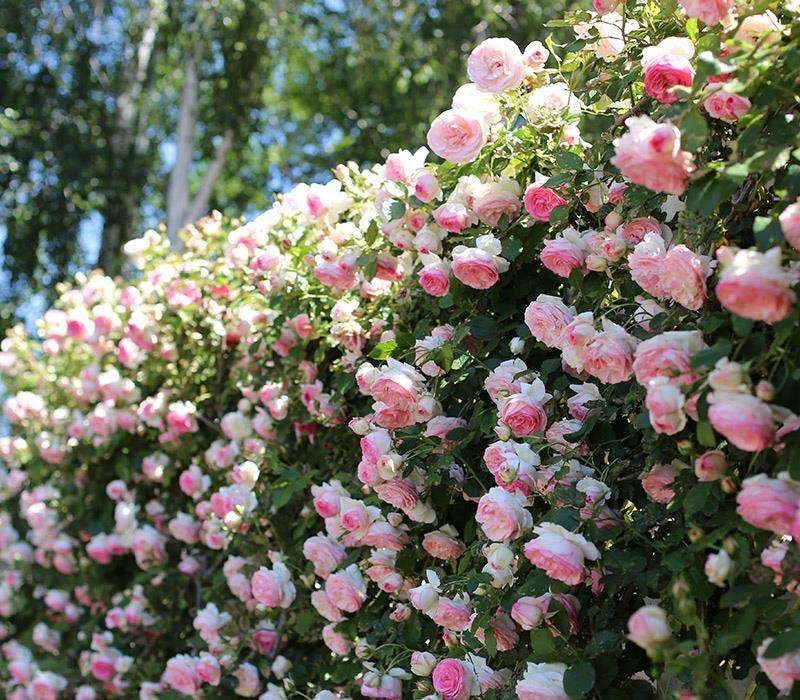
[{"x": 522, "y": 423}]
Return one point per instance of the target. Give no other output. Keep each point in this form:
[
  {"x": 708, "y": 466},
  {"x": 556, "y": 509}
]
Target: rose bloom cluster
[{"x": 512, "y": 414}]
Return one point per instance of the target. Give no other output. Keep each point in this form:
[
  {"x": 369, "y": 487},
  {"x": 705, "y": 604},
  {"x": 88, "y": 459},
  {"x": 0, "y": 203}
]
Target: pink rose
[
  {"x": 770, "y": 504},
  {"x": 502, "y": 515},
  {"x": 646, "y": 263},
  {"x": 657, "y": 483},
  {"x": 452, "y": 614},
  {"x": 453, "y": 679},
  {"x": 273, "y": 588},
  {"x": 667, "y": 355},
  {"x": 523, "y": 414},
  {"x": 457, "y": 136},
  {"x": 541, "y": 201},
  {"x": 505, "y": 379},
  {"x": 709, "y": 11},
  {"x": 335, "y": 641},
  {"x": 434, "y": 278},
  {"x": 475, "y": 267},
  {"x": 547, "y": 317},
  {"x": 543, "y": 681},
  {"x": 782, "y": 671},
  {"x": 710, "y": 465},
  {"x": 560, "y": 553},
  {"x": 746, "y": 421},
  {"x": 535, "y": 55},
  {"x": 648, "y": 627},
  {"x": 496, "y": 65},
  {"x": 323, "y": 605},
  {"x": 528, "y": 611},
  {"x": 442, "y": 543},
  {"x": 754, "y": 285},
  {"x": 346, "y": 589},
  {"x": 498, "y": 199},
  {"x": 683, "y": 277},
  {"x": 665, "y": 403},
  {"x": 609, "y": 354},
  {"x": 790, "y": 224},
  {"x": 181, "y": 674},
  {"x": 453, "y": 217},
  {"x": 650, "y": 154},
  {"x": 664, "y": 73},
  {"x": 726, "y": 106},
  {"x": 324, "y": 553},
  {"x": 397, "y": 384},
  {"x": 635, "y": 230},
  {"x": 564, "y": 254}
]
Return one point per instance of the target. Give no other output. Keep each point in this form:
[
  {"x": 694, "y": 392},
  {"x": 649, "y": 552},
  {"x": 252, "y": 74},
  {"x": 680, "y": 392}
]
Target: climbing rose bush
[{"x": 519, "y": 422}]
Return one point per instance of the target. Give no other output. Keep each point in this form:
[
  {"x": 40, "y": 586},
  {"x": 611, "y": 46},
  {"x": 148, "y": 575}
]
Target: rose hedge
[{"x": 522, "y": 423}]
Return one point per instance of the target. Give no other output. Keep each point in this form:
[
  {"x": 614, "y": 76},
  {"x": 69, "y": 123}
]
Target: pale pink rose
[
  {"x": 635, "y": 230},
  {"x": 667, "y": 355},
  {"x": 770, "y": 504},
  {"x": 783, "y": 671},
  {"x": 584, "y": 394},
  {"x": 399, "y": 493},
  {"x": 335, "y": 641},
  {"x": 683, "y": 277},
  {"x": 543, "y": 681},
  {"x": 324, "y": 553},
  {"x": 790, "y": 224},
  {"x": 603, "y": 7},
  {"x": 426, "y": 186},
  {"x": 657, "y": 483},
  {"x": 442, "y": 543},
  {"x": 650, "y": 154},
  {"x": 208, "y": 669},
  {"x": 453, "y": 217},
  {"x": 665, "y": 403},
  {"x": 498, "y": 199},
  {"x": 452, "y": 614},
  {"x": 541, "y": 201},
  {"x": 726, "y": 106},
  {"x": 710, "y": 465},
  {"x": 528, "y": 612},
  {"x": 505, "y": 379},
  {"x": 496, "y": 65},
  {"x": 646, "y": 263},
  {"x": 578, "y": 333},
  {"x": 422, "y": 663},
  {"x": 181, "y": 674},
  {"x": 273, "y": 588},
  {"x": 434, "y": 278},
  {"x": 664, "y": 73},
  {"x": 394, "y": 417},
  {"x": 346, "y": 589},
  {"x": 709, "y": 11},
  {"x": 560, "y": 553},
  {"x": 453, "y": 679},
  {"x": 397, "y": 384},
  {"x": 535, "y": 55},
  {"x": 523, "y": 413},
  {"x": 547, "y": 317},
  {"x": 754, "y": 285},
  {"x": 457, "y": 136},
  {"x": 609, "y": 354},
  {"x": 504, "y": 631},
  {"x": 475, "y": 267},
  {"x": 648, "y": 627},
  {"x": 765, "y": 28},
  {"x": 744, "y": 420},
  {"x": 323, "y": 605},
  {"x": 502, "y": 515},
  {"x": 562, "y": 255},
  {"x": 327, "y": 498}
]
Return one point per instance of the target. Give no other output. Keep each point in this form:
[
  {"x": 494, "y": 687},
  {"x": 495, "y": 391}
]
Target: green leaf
[
  {"x": 383, "y": 350},
  {"x": 784, "y": 643},
  {"x": 767, "y": 232},
  {"x": 579, "y": 680},
  {"x": 569, "y": 161},
  {"x": 705, "y": 434},
  {"x": 709, "y": 356},
  {"x": 742, "y": 326},
  {"x": 512, "y": 247},
  {"x": 483, "y": 327},
  {"x": 694, "y": 130},
  {"x": 697, "y": 497}
]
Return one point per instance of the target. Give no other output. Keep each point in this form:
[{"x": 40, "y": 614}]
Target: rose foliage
[{"x": 520, "y": 422}]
